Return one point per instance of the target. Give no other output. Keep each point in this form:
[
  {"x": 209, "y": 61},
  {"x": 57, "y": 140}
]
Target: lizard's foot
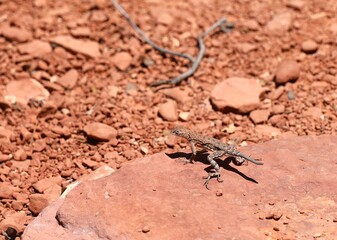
[
  {"x": 219, "y": 179},
  {"x": 212, "y": 175}
]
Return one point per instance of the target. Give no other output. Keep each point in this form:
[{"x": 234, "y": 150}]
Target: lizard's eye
[{"x": 175, "y": 131}]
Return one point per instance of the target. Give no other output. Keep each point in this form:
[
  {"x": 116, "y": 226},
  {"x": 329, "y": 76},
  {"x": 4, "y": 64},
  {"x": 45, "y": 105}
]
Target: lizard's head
[{"x": 179, "y": 131}]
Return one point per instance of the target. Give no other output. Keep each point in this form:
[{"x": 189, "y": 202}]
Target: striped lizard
[{"x": 219, "y": 149}]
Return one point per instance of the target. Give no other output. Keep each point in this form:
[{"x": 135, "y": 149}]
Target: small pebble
[
  {"x": 287, "y": 71},
  {"x": 170, "y": 141},
  {"x": 277, "y": 216},
  {"x": 295, "y": 4},
  {"x": 144, "y": 150},
  {"x": 317, "y": 235},
  {"x": 184, "y": 116},
  {"x": 146, "y": 229},
  {"x": 301, "y": 211},
  {"x": 291, "y": 95},
  {"x": 219, "y": 193},
  {"x": 168, "y": 111},
  {"x": 147, "y": 62},
  {"x": 309, "y": 46}
]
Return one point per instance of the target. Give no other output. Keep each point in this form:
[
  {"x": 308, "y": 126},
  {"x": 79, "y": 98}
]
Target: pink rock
[
  {"x": 4, "y": 103},
  {"x": 309, "y": 46},
  {"x": 37, "y": 202},
  {"x": 178, "y": 94},
  {"x": 170, "y": 140},
  {"x": 85, "y": 47},
  {"x": 15, "y": 220},
  {"x": 63, "y": 131},
  {"x": 24, "y": 90},
  {"x": 89, "y": 163},
  {"x": 314, "y": 113},
  {"x": 168, "y": 111},
  {"x": 276, "y": 120},
  {"x": 5, "y": 134},
  {"x": 100, "y": 131},
  {"x": 21, "y": 165},
  {"x": 35, "y": 48},
  {"x": 279, "y": 24},
  {"x": 42, "y": 185},
  {"x": 252, "y": 25},
  {"x": 246, "y": 47},
  {"x": 267, "y": 131},
  {"x": 277, "y": 93},
  {"x": 81, "y": 32},
  {"x": 238, "y": 94},
  {"x": 14, "y": 33},
  {"x": 122, "y": 60},
  {"x": 288, "y": 70},
  {"x": 48, "y": 107},
  {"x": 51, "y": 86},
  {"x": 98, "y": 16},
  {"x": 40, "y": 3},
  {"x": 7, "y": 190},
  {"x": 278, "y": 109},
  {"x": 333, "y": 27},
  {"x": 113, "y": 91},
  {"x": 259, "y": 116},
  {"x": 39, "y": 145},
  {"x": 164, "y": 17},
  {"x": 69, "y": 79},
  {"x": 4, "y": 157},
  {"x": 295, "y": 4},
  {"x": 126, "y": 205},
  {"x": 101, "y": 3},
  {"x": 20, "y": 155}
]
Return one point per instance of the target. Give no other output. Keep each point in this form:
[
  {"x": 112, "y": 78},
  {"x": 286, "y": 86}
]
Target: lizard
[{"x": 212, "y": 144}]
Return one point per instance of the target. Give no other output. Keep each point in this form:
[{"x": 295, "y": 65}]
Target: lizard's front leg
[
  {"x": 194, "y": 151},
  {"x": 215, "y": 165}
]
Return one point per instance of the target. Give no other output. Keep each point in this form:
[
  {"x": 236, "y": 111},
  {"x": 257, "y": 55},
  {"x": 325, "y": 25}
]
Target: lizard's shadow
[{"x": 202, "y": 157}]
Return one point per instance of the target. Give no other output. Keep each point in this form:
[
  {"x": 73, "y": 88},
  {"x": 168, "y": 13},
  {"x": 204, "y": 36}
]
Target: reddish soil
[{"x": 105, "y": 80}]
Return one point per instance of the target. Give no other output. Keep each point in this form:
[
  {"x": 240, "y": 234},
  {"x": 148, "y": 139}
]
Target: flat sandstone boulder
[{"x": 292, "y": 196}]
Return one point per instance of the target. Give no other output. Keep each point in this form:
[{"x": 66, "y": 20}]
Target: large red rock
[
  {"x": 35, "y": 48},
  {"x": 85, "y": 47},
  {"x": 15, "y": 33},
  {"x": 168, "y": 111},
  {"x": 100, "y": 131},
  {"x": 69, "y": 79},
  {"x": 288, "y": 70},
  {"x": 279, "y": 24},
  {"x": 25, "y": 90},
  {"x": 237, "y": 94},
  {"x": 122, "y": 60},
  {"x": 159, "y": 197}
]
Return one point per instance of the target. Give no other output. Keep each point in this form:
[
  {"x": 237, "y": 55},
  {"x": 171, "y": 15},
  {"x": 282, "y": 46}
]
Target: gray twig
[{"x": 195, "y": 62}]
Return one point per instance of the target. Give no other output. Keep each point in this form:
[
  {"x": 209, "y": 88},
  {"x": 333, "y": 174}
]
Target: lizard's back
[{"x": 210, "y": 143}]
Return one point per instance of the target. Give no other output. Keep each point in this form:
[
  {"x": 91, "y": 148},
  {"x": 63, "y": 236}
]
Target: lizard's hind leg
[{"x": 215, "y": 166}]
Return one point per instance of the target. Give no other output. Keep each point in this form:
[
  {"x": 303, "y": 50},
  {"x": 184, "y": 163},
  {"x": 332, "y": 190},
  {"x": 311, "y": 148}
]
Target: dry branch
[{"x": 195, "y": 62}]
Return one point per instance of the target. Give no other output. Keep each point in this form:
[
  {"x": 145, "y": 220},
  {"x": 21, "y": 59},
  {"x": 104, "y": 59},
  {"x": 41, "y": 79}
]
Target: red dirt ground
[{"x": 107, "y": 82}]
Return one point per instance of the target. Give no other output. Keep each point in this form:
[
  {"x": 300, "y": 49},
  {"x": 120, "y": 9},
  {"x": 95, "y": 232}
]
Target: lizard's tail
[{"x": 248, "y": 158}]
